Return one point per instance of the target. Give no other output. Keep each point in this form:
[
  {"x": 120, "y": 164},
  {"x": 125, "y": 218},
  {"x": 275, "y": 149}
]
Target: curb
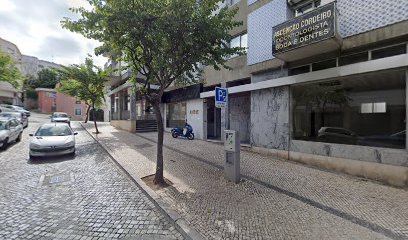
[{"x": 172, "y": 215}]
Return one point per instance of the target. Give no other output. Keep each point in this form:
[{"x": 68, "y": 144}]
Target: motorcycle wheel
[
  {"x": 174, "y": 134},
  {"x": 190, "y": 136}
]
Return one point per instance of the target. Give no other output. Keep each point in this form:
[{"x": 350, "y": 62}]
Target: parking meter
[{"x": 232, "y": 156}]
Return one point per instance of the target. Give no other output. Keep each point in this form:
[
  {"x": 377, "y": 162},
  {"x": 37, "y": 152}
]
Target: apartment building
[{"x": 323, "y": 82}]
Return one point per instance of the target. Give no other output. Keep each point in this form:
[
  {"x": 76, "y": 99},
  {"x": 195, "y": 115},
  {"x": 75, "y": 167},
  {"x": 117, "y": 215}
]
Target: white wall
[{"x": 195, "y": 109}]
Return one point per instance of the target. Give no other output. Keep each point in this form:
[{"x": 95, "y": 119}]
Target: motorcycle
[{"x": 187, "y": 132}]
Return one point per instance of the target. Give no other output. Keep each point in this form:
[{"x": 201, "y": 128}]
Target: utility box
[{"x": 232, "y": 156}]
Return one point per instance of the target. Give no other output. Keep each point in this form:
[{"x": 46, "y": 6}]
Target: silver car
[
  {"x": 52, "y": 139},
  {"x": 17, "y": 115},
  {"x": 10, "y": 130},
  {"x": 12, "y": 108},
  {"x": 60, "y": 117}
]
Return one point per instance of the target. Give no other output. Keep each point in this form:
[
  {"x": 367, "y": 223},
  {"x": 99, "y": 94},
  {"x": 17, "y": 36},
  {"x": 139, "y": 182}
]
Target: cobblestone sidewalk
[{"x": 276, "y": 200}]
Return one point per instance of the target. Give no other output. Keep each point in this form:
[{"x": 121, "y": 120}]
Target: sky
[{"x": 34, "y": 26}]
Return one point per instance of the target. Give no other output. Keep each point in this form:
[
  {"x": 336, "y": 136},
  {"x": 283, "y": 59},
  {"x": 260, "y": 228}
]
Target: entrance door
[{"x": 213, "y": 120}]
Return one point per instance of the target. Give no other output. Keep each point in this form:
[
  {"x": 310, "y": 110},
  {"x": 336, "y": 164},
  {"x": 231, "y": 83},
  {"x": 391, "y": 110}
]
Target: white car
[
  {"x": 12, "y": 108},
  {"x": 52, "y": 139},
  {"x": 17, "y": 115},
  {"x": 10, "y": 130},
  {"x": 60, "y": 117}
]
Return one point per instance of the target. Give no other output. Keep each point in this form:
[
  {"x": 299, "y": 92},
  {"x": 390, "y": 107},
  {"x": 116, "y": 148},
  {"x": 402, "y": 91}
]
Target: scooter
[{"x": 187, "y": 132}]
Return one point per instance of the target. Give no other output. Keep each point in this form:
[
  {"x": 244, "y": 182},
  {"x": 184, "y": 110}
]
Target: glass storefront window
[
  {"x": 365, "y": 110},
  {"x": 176, "y": 114}
]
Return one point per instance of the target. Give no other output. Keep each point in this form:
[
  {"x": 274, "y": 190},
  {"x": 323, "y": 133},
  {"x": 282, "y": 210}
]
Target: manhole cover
[
  {"x": 60, "y": 178},
  {"x": 144, "y": 145}
]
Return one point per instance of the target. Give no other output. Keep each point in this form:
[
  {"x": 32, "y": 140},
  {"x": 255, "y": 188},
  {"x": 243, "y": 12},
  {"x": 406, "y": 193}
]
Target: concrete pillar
[
  {"x": 225, "y": 123},
  {"x": 120, "y": 100},
  {"x": 132, "y": 109},
  {"x": 204, "y": 117}
]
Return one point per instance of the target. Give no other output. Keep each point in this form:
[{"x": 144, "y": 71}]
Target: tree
[
  {"x": 8, "y": 70},
  {"x": 47, "y": 78},
  {"x": 85, "y": 82},
  {"x": 164, "y": 41},
  {"x": 326, "y": 94}
]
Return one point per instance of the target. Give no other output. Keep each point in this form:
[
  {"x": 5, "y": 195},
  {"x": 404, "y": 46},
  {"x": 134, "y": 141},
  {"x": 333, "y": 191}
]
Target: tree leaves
[{"x": 9, "y": 71}]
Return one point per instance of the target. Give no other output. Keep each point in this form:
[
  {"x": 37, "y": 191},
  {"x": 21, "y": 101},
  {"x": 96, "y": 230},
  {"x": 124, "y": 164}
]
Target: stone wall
[
  {"x": 240, "y": 114},
  {"x": 270, "y": 118}
]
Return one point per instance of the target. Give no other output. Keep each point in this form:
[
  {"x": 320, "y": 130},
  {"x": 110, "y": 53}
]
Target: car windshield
[
  {"x": 2, "y": 125},
  {"x": 60, "y": 115},
  {"x": 59, "y": 130}
]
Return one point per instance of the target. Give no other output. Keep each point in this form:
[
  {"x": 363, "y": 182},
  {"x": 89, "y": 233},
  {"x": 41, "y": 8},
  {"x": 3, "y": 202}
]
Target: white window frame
[
  {"x": 314, "y": 6},
  {"x": 75, "y": 111}
]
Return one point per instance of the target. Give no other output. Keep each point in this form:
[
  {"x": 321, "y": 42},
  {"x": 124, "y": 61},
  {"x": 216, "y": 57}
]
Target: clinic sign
[{"x": 306, "y": 29}]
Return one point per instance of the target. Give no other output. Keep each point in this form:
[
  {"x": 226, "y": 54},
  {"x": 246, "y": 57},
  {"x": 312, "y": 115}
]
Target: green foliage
[
  {"x": 47, "y": 78},
  {"x": 31, "y": 93},
  {"x": 8, "y": 70},
  {"x": 162, "y": 40},
  {"x": 85, "y": 82}
]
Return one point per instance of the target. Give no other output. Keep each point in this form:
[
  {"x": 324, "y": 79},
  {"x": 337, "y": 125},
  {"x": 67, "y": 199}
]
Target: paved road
[
  {"x": 81, "y": 197},
  {"x": 276, "y": 199}
]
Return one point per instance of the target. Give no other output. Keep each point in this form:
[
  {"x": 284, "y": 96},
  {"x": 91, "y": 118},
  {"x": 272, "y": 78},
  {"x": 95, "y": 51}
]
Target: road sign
[{"x": 221, "y": 97}]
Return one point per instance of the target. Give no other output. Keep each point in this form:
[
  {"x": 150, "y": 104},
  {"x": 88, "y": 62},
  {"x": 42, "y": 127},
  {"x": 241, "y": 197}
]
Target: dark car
[
  {"x": 337, "y": 135},
  {"x": 395, "y": 140}
]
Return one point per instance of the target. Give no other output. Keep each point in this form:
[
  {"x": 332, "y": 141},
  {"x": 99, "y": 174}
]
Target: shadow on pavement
[{"x": 51, "y": 159}]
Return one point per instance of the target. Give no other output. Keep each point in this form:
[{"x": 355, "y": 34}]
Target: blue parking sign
[{"x": 221, "y": 97}]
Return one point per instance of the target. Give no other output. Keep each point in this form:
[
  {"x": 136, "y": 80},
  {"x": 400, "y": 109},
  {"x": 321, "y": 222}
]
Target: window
[
  {"x": 77, "y": 111},
  {"x": 324, "y": 65},
  {"x": 302, "y": 9},
  {"x": 379, "y": 107},
  {"x": 77, "y": 102},
  {"x": 389, "y": 51},
  {"x": 359, "y": 110},
  {"x": 353, "y": 58},
  {"x": 299, "y": 70},
  {"x": 176, "y": 114},
  {"x": 239, "y": 41}
]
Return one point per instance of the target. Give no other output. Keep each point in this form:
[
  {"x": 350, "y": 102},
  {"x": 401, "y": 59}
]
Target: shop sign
[
  {"x": 221, "y": 97},
  {"x": 306, "y": 29}
]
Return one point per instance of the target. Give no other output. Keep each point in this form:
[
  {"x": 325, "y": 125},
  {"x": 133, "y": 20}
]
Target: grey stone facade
[
  {"x": 354, "y": 17},
  {"x": 270, "y": 118},
  {"x": 389, "y": 156},
  {"x": 240, "y": 114}
]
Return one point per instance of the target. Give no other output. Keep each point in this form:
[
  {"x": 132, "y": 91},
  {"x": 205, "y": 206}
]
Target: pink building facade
[
  {"x": 49, "y": 101},
  {"x": 73, "y": 107},
  {"x": 46, "y": 99}
]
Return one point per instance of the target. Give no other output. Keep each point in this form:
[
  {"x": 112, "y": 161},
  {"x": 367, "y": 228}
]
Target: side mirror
[
  {"x": 30, "y": 134},
  {"x": 75, "y": 133}
]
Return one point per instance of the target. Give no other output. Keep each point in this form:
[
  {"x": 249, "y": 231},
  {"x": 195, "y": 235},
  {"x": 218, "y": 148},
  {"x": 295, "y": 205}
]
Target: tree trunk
[
  {"x": 94, "y": 118},
  {"x": 87, "y": 113},
  {"x": 159, "y": 179}
]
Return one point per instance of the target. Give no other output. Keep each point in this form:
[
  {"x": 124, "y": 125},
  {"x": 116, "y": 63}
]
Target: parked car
[
  {"x": 17, "y": 115},
  {"x": 396, "y": 140},
  {"x": 15, "y": 109},
  {"x": 337, "y": 135},
  {"x": 60, "y": 117},
  {"x": 52, "y": 139},
  {"x": 10, "y": 130}
]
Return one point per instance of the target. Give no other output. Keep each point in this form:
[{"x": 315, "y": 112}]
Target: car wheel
[
  {"x": 5, "y": 143},
  {"x": 19, "y": 137}
]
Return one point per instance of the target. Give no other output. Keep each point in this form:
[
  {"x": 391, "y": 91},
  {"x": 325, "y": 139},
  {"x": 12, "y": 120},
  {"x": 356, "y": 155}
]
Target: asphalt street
[{"x": 82, "y": 197}]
